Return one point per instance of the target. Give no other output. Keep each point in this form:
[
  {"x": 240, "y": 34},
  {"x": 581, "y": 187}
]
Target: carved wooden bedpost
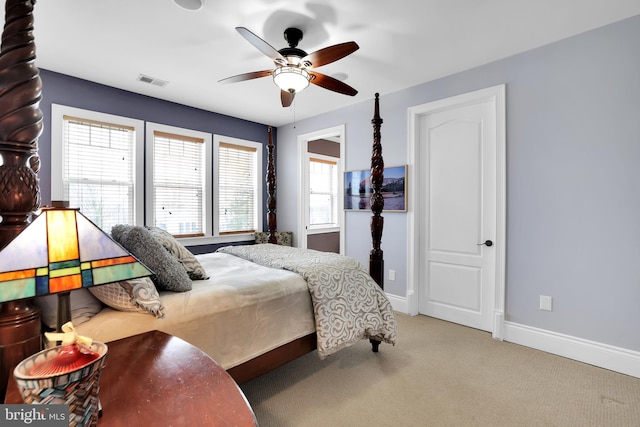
[
  {"x": 376, "y": 261},
  {"x": 271, "y": 190},
  {"x": 20, "y": 121},
  {"x": 20, "y": 128}
]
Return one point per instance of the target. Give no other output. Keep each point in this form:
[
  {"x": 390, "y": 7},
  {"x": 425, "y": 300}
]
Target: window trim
[
  {"x": 258, "y": 147},
  {"x": 58, "y": 112},
  {"x": 335, "y": 133},
  {"x": 207, "y": 205}
]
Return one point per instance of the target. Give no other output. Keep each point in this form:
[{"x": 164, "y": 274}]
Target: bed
[
  {"x": 242, "y": 311},
  {"x": 264, "y": 305}
]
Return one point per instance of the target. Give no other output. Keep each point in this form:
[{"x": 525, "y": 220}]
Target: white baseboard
[
  {"x": 594, "y": 353},
  {"x": 591, "y": 352},
  {"x": 399, "y": 304}
]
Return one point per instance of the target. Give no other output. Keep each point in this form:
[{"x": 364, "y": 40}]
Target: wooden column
[
  {"x": 20, "y": 128},
  {"x": 271, "y": 190},
  {"x": 376, "y": 260}
]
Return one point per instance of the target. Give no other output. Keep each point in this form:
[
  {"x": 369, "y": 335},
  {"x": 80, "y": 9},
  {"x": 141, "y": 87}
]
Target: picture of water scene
[{"x": 357, "y": 189}]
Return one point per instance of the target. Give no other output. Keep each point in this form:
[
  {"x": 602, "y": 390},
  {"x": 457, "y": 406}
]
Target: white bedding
[{"x": 242, "y": 311}]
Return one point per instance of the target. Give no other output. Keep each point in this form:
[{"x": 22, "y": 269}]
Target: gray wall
[{"x": 573, "y": 180}]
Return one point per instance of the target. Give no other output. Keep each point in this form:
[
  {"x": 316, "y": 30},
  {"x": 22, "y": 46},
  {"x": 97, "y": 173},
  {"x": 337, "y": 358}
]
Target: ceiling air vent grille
[{"x": 152, "y": 81}]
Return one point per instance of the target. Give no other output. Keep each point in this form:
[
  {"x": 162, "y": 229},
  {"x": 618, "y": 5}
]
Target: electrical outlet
[
  {"x": 545, "y": 303},
  {"x": 392, "y": 275}
]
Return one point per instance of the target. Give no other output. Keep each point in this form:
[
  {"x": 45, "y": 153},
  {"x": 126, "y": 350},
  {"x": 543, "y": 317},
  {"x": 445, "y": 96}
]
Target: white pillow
[
  {"x": 135, "y": 295},
  {"x": 83, "y": 307}
]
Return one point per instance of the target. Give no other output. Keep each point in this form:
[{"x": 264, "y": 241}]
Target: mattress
[{"x": 242, "y": 311}]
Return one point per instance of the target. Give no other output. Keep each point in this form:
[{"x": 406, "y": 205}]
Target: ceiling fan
[{"x": 295, "y": 67}]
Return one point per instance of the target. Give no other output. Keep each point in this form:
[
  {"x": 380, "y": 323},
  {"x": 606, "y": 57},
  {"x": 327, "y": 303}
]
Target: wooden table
[{"x": 158, "y": 379}]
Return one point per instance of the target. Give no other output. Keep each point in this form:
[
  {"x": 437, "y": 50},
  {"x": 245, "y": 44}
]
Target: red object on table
[{"x": 70, "y": 358}]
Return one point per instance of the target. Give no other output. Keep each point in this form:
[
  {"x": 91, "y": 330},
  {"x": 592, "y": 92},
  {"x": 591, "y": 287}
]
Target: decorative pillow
[
  {"x": 179, "y": 252},
  {"x": 170, "y": 275},
  {"x": 83, "y": 307},
  {"x": 137, "y": 295},
  {"x": 283, "y": 238}
]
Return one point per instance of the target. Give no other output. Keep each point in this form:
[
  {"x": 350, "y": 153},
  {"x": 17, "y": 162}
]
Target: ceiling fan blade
[
  {"x": 246, "y": 76},
  {"x": 286, "y": 97},
  {"x": 331, "y": 84},
  {"x": 332, "y": 53},
  {"x": 262, "y": 45}
]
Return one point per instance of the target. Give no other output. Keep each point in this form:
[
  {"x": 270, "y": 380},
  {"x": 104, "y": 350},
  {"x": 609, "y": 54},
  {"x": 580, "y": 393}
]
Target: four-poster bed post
[
  {"x": 21, "y": 124},
  {"x": 271, "y": 190},
  {"x": 376, "y": 260}
]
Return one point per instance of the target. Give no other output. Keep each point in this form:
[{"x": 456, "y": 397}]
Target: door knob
[{"x": 488, "y": 243}]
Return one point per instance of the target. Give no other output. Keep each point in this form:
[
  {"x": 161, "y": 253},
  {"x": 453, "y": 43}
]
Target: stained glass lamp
[{"x": 60, "y": 251}]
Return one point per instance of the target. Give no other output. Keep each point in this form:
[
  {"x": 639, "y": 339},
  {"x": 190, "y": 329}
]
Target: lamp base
[{"x": 20, "y": 337}]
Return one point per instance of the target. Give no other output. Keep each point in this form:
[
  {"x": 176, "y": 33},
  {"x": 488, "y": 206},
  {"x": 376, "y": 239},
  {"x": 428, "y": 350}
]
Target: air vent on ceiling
[{"x": 152, "y": 81}]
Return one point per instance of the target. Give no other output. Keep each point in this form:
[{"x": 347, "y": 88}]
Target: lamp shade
[
  {"x": 60, "y": 251},
  {"x": 291, "y": 79}
]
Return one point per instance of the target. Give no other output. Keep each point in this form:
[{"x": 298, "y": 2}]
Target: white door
[{"x": 458, "y": 211}]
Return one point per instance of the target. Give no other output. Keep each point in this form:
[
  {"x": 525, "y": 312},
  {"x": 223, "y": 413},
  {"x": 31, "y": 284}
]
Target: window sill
[
  {"x": 322, "y": 230},
  {"x": 210, "y": 240}
]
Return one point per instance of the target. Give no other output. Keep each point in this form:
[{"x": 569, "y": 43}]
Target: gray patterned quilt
[{"x": 348, "y": 304}]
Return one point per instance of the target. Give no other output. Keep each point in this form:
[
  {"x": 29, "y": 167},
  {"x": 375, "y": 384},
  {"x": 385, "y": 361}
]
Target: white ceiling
[{"x": 402, "y": 43}]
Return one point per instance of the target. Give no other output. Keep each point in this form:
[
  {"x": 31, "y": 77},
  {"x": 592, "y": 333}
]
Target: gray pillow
[
  {"x": 179, "y": 252},
  {"x": 170, "y": 275}
]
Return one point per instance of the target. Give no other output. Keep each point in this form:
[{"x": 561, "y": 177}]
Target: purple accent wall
[{"x": 66, "y": 90}]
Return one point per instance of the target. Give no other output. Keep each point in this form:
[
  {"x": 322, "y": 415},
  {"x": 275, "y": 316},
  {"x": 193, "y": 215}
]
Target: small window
[
  {"x": 237, "y": 185},
  {"x": 177, "y": 189},
  {"x": 96, "y": 165},
  {"x": 323, "y": 191}
]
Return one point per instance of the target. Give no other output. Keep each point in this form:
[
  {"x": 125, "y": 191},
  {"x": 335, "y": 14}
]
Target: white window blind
[
  {"x": 98, "y": 170},
  {"x": 178, "y": 183},
  {"x": 237, "y": 191},
  {"x": 323, "y": 191}
]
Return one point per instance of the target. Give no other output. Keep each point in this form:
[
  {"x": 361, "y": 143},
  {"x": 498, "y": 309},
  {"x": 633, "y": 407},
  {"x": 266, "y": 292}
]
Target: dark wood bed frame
[{"x": 297, "y": 348}]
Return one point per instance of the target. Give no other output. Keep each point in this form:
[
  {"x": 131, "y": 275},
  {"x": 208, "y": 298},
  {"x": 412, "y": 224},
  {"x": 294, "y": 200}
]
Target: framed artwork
[{"x": 357, "y": 189}]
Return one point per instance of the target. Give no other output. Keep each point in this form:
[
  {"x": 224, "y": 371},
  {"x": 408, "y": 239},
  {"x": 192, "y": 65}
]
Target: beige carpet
[{"x": 443, "y": 374}]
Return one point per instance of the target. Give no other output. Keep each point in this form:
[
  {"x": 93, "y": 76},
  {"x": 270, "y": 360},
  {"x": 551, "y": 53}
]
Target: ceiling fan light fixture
[{"x": 291, "y": 79}]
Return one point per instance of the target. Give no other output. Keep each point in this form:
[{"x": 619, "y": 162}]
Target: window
[
  {"x": 323, "y": 191},
  {"x": 96, "y": 165},
  {"x": 178, "y": 188},
  {"x": 119, "y": 172},
  {"x": 238, "y": 189}
]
